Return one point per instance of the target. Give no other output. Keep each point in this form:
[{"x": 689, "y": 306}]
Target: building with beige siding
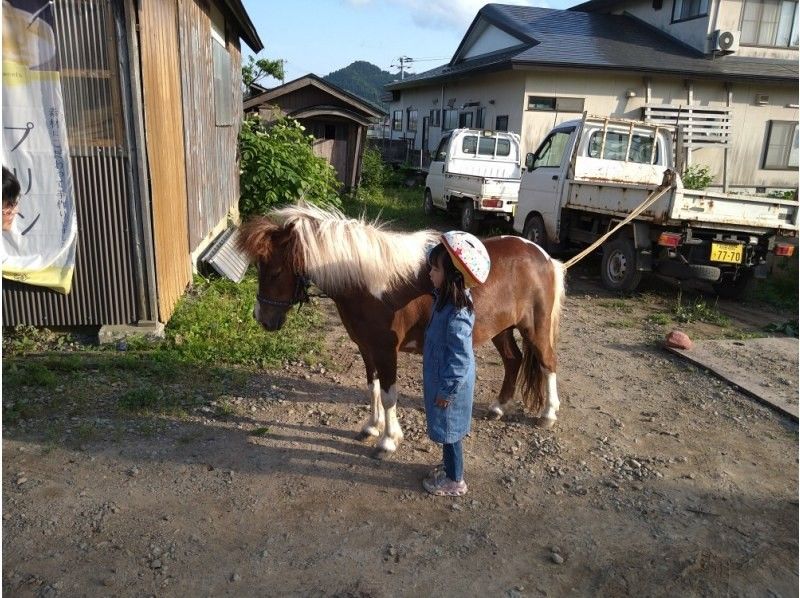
[{"x": 725, "y": 70}]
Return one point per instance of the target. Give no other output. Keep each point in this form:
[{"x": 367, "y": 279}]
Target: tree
[{"x": 255, "y": 70}]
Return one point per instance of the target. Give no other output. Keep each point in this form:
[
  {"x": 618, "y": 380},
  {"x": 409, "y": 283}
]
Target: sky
[{"x": 321, "y": 36}]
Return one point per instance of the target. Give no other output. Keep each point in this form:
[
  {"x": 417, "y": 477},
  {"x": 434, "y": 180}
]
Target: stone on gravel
[
  {"x": 557, "y": 558},
  {"x": 679, "y": 340}
]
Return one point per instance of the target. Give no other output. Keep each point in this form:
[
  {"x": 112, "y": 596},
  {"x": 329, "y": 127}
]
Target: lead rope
[{"x": 666, "y": 184}]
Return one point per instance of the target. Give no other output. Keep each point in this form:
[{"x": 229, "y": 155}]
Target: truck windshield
[{"x": 617, "y": 143}]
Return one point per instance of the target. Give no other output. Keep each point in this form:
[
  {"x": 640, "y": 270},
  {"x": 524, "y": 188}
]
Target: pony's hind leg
[
  {"x": 374, "y": 425},
  {"x": 512, "y": 359},
  {"x": 549, "y": 414}
]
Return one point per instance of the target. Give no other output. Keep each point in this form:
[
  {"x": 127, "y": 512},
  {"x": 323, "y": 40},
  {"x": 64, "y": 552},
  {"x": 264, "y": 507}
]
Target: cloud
[
  {"x": 450, "y": 14},
  {"x": 358, "y": 3}
]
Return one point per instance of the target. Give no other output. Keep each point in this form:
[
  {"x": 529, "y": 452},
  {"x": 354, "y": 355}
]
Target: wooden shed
[
  {"x": 337, "y": 119},
  {"x": 153, "y": 104}
]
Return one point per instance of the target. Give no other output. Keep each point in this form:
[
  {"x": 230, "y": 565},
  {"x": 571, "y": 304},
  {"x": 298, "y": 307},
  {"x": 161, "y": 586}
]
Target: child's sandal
[{"x": 441, "y": 485}]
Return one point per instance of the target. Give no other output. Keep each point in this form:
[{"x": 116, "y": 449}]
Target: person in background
[{"x": 11, "y": 190}]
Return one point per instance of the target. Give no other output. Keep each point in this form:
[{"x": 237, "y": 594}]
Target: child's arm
[{"x": 458, "y": 347}]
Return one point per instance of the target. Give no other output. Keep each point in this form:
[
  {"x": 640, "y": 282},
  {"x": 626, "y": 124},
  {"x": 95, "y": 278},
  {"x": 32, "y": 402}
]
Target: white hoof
[
  {"x": 387, "y": 445},
  {"x": 546, "y": 422},
  {"x": 496, "y": 411}
]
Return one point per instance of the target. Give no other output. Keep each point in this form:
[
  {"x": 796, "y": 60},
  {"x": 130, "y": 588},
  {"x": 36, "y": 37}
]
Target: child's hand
[{"x": 442, "y": 403}]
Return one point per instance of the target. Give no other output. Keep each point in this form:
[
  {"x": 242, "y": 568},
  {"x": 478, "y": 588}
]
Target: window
[
  {"x": 450, "y": 119},
  {"x": 465, "y": 120},
  {"x": 781, "y": 152},
  {"x": 469, "y": 144},
  {"x": 491, "y": 146},
  {"x": 330, "y": 132},
  {"x": 397, "y": 120},
  {"x": 434, "y": 118},
  {"x": 90, "y": 79},
  {"x": 221, "y": 64},
  {"x": 770, "y": 23},
  {"x": 555, "y": 104},
  {"x": 480, "y": 118},
  {"x": 411, "y": 120},
  {"x": 501, "y": 123},
  {"x": 441, "y": 151},
  {"x": 617, "y": 143},
  {"x": 684, "y": 10},
  {"x": 551, "y": 153}
]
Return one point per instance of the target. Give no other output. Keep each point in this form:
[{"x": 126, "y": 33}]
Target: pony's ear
[{"x": 255, "y": 237}]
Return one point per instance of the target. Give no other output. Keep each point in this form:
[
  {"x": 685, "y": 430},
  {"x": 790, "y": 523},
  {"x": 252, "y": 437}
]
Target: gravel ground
[{"x": 658, "y": 480}]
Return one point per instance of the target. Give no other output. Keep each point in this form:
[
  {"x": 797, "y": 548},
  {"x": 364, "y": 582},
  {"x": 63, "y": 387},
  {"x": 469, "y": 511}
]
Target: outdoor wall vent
[
  {"x": 762, "y": 99},
  {"x": 726, "y": 41}
]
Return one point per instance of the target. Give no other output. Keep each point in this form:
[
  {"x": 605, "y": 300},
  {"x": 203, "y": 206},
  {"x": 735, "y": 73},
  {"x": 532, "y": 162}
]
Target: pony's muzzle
[{"x": 270, "y": 321}]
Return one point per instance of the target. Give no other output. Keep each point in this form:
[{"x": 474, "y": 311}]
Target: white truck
[
  {"x": 589, "y": 174},
  {"x": 474, "y": 172}
]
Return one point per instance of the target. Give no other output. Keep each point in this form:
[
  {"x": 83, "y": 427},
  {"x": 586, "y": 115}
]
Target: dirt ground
[{"x": 658, "y": 480}]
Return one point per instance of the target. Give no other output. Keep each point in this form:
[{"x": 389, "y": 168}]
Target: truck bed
[{"x": 616, "y": 188}]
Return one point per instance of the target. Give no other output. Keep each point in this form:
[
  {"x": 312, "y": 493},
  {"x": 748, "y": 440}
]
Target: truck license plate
[{"x": 730, "y": 254}]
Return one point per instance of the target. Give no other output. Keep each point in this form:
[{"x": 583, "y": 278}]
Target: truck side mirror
[{"x": 529, "y": 160}]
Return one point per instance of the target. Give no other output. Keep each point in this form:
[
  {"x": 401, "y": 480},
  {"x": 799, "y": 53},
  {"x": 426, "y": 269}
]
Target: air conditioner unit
[{"x": 726, "y": 41}]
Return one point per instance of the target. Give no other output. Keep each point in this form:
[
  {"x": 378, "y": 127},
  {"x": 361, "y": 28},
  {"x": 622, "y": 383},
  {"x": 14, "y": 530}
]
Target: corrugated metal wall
[
  {"x": 212, "y": 173},
  {"x": 103, "y": 289},
  {"x": 161, "y": 88}
]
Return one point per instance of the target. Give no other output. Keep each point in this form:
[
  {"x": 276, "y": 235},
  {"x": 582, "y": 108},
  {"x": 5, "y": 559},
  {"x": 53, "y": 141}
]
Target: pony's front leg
[
  {"x": 375, "y": 422},
  {"x": 392, "y": 433}
]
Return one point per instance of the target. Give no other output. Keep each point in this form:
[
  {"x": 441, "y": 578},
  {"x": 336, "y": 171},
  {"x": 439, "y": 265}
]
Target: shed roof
[
  {"x": 583, "y": 40},
  {"x": 357, "y": 104}
]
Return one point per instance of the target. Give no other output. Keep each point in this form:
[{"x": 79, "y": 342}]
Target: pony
[{"x": 379, "y": 281}]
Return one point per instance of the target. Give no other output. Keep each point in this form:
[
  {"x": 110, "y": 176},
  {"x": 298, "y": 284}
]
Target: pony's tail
[{"x": 532, "y": 378}]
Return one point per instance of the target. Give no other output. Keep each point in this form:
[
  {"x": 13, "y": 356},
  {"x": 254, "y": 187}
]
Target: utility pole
[{"x": 403, "y": 60}]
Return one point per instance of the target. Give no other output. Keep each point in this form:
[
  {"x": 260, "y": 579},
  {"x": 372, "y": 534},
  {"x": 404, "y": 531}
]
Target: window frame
[
  {"x": 434, "y": 118},
  {"x": 557, "y": 104},
  {"x": 411, "y": 123},
  {"x": 441, "y": 149},
  {"x": 701, "y": 15},
  {"x": 480, "y": 118},
  {"x": 497, "y": 126},
  {"x": 538, "y": 154},
  {"x": 397, "y": 120},
  {"x": 445, "y": 114},
  {"x": 785, "y": 165},
  {"x": 795, "y": 27},
  {"x": 463, "y": 117}
]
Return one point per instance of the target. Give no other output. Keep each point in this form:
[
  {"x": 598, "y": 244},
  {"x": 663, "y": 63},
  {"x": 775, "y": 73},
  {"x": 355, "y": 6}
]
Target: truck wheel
[
  {"x": 618, "y": 270},
  {"x": 708, "y": 273},
  {"x": 733, "y": 289},
  {"x": 468, "y": 222},
  {"x": 427, "y": 204},
  {"x": 534, "y": 231}
]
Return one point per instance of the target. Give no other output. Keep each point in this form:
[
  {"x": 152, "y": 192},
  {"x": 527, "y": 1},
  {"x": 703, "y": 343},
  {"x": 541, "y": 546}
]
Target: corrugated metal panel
[
  {"x": 161, "y": 85},
  {"x": 212, "y": 173},
  {"x": 226, "y": 258},
  {"x": 103, "y": 289}
]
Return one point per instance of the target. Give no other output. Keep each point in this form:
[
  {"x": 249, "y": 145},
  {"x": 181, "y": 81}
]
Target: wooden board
[{"x": 764, "y": 368}]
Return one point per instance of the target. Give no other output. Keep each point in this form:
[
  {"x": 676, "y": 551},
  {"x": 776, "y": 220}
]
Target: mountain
[{"x": 362, "y": 79}]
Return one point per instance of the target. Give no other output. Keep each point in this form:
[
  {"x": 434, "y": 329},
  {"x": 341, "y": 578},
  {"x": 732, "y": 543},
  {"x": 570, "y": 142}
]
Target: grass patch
[
  {"x": 17, "y": 374},
  {"x": 625, "y": 323},
  {"x": 780, "y": 289},
  {"x": 697, "y": 310},
  {"x": 661, "y": 319},
  {"x": 214, "y": 324},
  {"x": 261, "y": 432},
  {"x": 225, "y": 408},
  {"x": 401, "y": 207},
  {"x": 142, "y": 399},
  {"x": 616, "y": 304}
]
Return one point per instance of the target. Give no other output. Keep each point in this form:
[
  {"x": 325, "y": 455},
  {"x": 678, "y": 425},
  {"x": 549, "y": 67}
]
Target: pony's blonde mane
[{"x": 341, "y": 253}]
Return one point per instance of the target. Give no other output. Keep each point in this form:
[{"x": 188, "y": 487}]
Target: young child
[{"x": 458, "y": 262}]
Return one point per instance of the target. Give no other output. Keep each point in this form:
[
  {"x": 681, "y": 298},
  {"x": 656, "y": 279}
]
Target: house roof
[
  {"x": 583, "y": 40},
  {"x": 352, "y": 100},
  {"x": 246, "y": 28}
]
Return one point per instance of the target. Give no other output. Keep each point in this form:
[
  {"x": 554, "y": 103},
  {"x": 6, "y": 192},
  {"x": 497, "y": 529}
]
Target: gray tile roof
[{"x": 579, "y": 40}]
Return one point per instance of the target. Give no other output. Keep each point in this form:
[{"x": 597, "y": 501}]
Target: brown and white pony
[{"x": 380, "y": 285}]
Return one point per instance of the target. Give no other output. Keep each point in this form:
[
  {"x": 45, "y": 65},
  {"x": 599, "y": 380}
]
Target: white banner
[{"x": 40, "y": 248}]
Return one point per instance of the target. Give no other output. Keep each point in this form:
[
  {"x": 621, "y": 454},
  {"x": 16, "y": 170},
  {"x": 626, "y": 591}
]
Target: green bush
[
  {"x": 374, "y": 172},
  {"x": 278, "y": 166},
  {"x": 696, "y": 177}
]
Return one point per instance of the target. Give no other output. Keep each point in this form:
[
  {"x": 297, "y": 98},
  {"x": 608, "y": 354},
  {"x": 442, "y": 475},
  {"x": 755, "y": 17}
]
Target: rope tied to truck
[{"x": 668, "y": 182}]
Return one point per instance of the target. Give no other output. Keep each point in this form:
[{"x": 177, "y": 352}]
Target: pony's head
[{"x": 281, "y": 284}]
